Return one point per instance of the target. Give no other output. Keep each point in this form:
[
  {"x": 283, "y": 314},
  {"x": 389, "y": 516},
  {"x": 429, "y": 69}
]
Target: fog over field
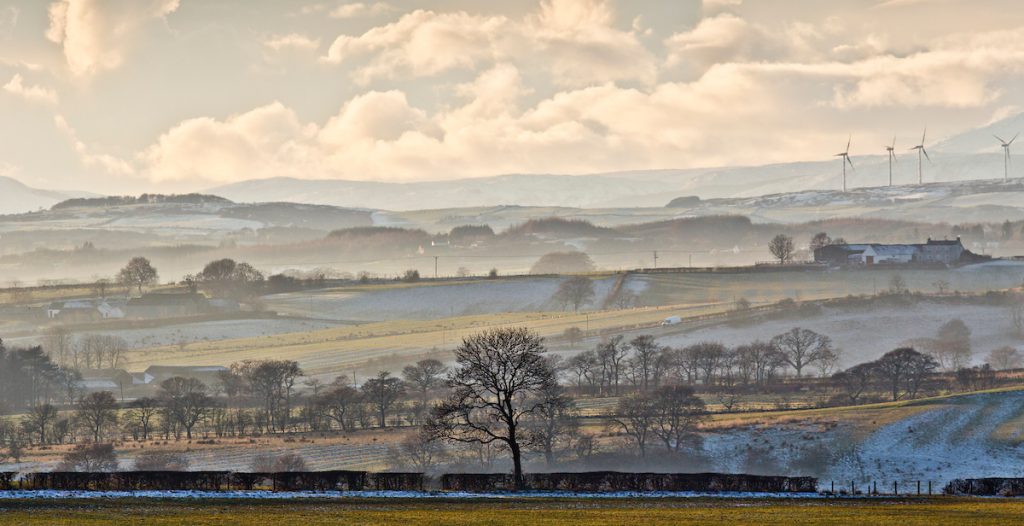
[{"x": 557, "y": 250}]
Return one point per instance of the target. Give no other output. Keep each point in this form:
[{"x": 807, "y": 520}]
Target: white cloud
[
  {"x": 573, "y": 41},
  {"x": 39, "y": 94},
  {"x": 421, "y": 43},
  {"x": 95, "y": 34},
  {"x": 108, "y": 163},
  {"x": 361, "y": 10},
  {"x": 291, "y": 41},
  {"x": 263, "y": 141}
]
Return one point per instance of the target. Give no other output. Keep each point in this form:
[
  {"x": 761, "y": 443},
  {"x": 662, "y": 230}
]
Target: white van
[{"x": 671, "y": 320}]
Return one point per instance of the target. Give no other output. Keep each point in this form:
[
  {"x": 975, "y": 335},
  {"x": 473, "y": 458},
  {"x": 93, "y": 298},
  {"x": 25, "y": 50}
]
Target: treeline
[
  {"x": 617, "y": 365},
  {"x": 122, "y": 200}
]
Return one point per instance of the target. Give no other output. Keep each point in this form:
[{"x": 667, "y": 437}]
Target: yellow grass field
[
  {"x": 515, "y": 511},
  {"x": 336, "y": 350}
]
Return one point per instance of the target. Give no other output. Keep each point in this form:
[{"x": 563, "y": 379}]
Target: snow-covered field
[
  {"x": 864, "y": 335},
  {"x": 965, "y": 437},
  {"x": 941, "y": 444},
  {"x": 427, "y": 302}
]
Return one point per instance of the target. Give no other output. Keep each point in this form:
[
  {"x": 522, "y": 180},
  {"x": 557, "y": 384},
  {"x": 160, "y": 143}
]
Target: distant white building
[
  {"x": 85, "y": 310},
  {"x": 934, "y": 252}
]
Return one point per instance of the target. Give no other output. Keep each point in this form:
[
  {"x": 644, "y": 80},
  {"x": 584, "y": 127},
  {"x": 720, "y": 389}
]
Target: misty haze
[{"x": 535, "y": 261}]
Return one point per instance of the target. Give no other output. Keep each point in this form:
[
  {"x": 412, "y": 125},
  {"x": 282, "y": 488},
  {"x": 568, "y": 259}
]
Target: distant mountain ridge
[
  {"x": 972, "y": 155},
  {"x": 17, "y": 197}
]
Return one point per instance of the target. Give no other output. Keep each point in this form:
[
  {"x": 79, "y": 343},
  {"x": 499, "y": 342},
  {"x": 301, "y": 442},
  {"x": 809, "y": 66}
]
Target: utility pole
[
  {"x": 435, "y": 266},
  {"x": 655, "y": 259}
]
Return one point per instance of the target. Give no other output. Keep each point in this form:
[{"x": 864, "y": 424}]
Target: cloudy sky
[{"x": 122, "y": 96}]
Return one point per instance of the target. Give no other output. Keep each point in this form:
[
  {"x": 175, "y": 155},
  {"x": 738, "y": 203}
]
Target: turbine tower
[
  {"x": 846, "y": 159},
  {"x": 1006, "y": 155},
  {"x": 921, "y": 150},
  {"x": 892, "y": 157}
]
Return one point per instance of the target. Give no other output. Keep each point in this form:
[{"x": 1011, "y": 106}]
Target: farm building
[
  {"x": 164, "y": 305},
  {"x": 207, "y": 374},
  {"x": 933, "y": 252},
  {"x": 85, "y": 310}
]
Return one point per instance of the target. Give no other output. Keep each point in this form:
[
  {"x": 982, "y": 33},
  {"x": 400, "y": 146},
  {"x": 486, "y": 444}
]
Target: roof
[
  {"x": 164, "y": 299},
  {"x": 895, "y": 250},
  {"x": 947, "y": 242},
  {"x": 179, "y": 369}
]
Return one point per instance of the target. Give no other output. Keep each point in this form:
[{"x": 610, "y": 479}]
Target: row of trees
[
  {"x": 86, "y": 351},
  {"x": 642, "y": 364}
]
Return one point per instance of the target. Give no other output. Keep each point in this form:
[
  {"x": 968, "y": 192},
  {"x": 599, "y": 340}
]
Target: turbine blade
[
  {"x": 893, "y": 142},
  {"x": 848, "y": 141},
  {"x": 850, "y": 161},
  {"x": 923, "y": 136},
  {"x": 998, "y": 138},
  {"x": 1013, "y": 139},
  {"x": 926, "y": 154}
]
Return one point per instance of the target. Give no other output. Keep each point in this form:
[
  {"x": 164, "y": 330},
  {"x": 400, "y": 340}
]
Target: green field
[{"x": 908, "y": 512}]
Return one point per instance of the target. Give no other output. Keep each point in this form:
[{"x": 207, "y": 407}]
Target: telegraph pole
[
  {"x": 435, "y": 266},
  {"x": 655, "y": 259}
]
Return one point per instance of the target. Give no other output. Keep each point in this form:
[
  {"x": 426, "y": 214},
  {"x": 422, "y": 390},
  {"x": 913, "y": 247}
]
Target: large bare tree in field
[
  {"x": 137, "y": 273},
  {"x": 781, "y": 246},
  {"x": 802, "y": 347},
  {"x": 498, "y": 382}
]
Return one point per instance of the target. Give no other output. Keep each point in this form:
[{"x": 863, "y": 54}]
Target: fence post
[
  {"x": 929, "y": 487},
  {"x": 895, "y": 488},
  {"x": 919, "y": 488},
  {"x": 874, "y": 487}
]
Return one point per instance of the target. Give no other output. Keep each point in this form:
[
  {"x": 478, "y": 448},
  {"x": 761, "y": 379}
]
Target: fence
[
  {"x": 213, "y": 481},
  {"x": 612, "y": 481}
]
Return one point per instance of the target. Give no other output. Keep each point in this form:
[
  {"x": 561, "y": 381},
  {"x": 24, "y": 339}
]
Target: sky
[{"x": 128, "y": 96}]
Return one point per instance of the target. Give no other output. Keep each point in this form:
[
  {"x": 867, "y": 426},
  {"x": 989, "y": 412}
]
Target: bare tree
[
  {"x": 90, "y": 458},
  {"x": 781, "y": 246},
  {"x": 423, "y": 377},
  {"x": 418, "y": 452},
  {"x": 903, "y": 370},
  {"x": 645, "y": 353},
  {"x": 1005, "y": 358},
  {"x": 186, "y": 401},
  {"x": 952, "y": 345},
  {"x": 855, "y": 380},
  {"x": 576, "y": 291},
  {"x": 636, "y": 416},
  {"x": 820, "y": 240},
  {"x": 272, "y": 382},
  {"x": 382, "y": 392},
  {"x": 339, "y": 403},
  {"x": 499, "y": 380},
  {"x": 554, "y": 423},
  {"x": 678, "y": 413},
  {"x": 137, "y": 273},
  {"x": 802, "y": 347},
  {"x": 141, "y": 413},
  {"x": 96, "y": 413}
]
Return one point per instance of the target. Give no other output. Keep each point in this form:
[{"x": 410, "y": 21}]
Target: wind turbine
[
  {"x": 920, "y": 149},
  {"x": 846, "y": 159},
  {"x": 1006, "y": 155},
  {"x": 892, "y": 157}
]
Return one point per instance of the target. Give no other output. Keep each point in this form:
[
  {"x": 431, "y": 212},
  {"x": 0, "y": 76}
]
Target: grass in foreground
[{"x": 907, "y": 512}]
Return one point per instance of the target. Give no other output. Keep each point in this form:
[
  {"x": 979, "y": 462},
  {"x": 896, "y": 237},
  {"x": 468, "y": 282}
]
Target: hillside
[{"x": 17, "y": 198}]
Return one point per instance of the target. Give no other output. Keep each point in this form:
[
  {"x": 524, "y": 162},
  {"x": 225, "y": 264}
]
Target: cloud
[
  {"x": 292, "y": 41},
  {"x": 421, "y": 43},
  {"x": 266, "y": 140},
  {"x": 573, "y": 41},
  {"x": 361, "y": 10},
  {"x": 38, "y": 94},
  {"x": 108, "y": 163},
  {"x": 95, "y": 34}
]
